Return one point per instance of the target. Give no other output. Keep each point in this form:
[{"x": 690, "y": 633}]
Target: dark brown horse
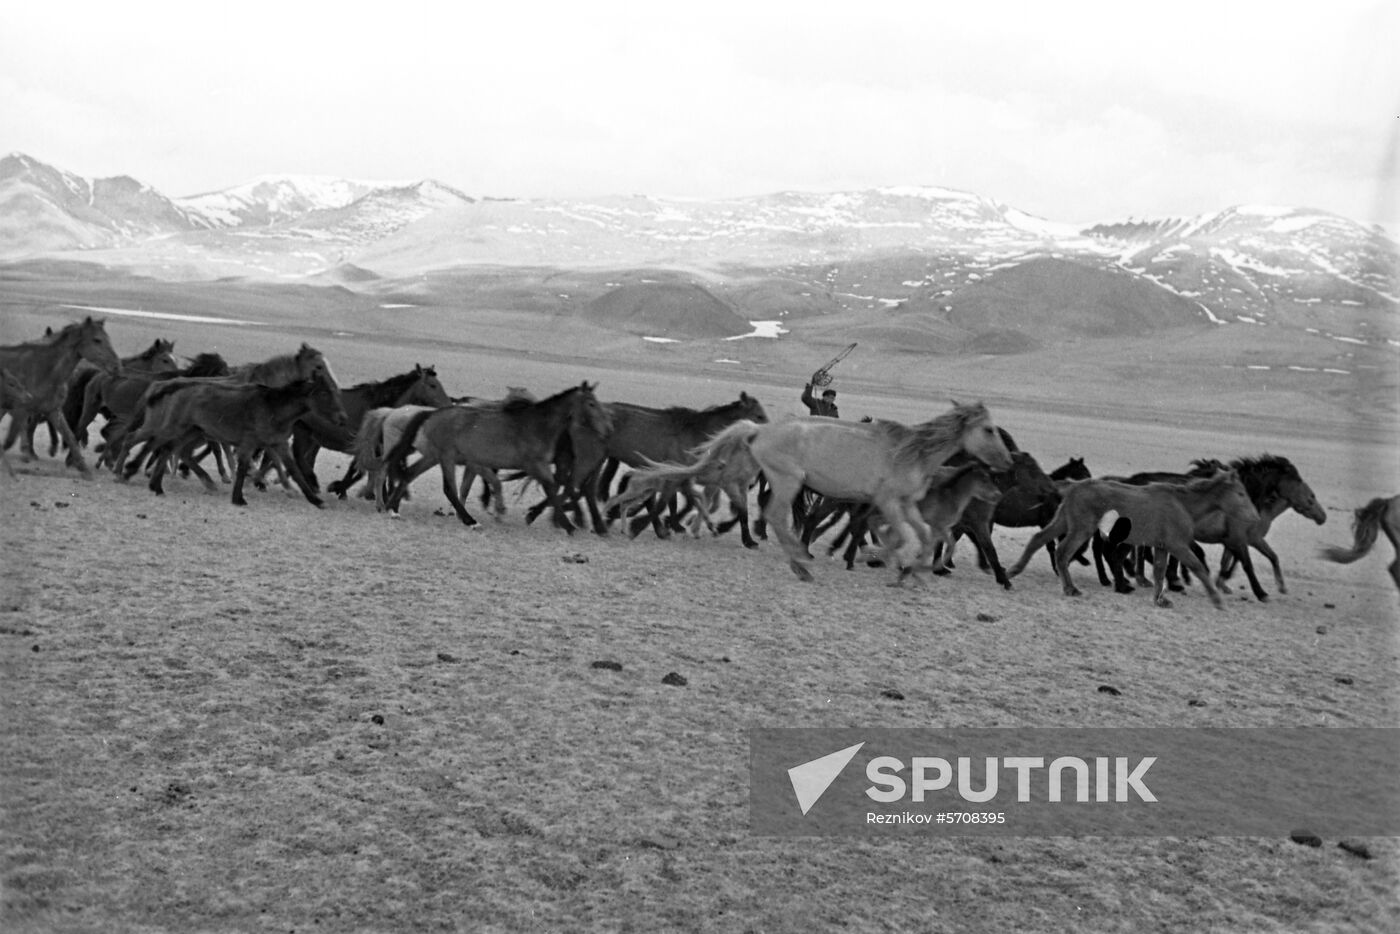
[
  {"x": 247, "y": 417},
  {"x": 1163, "y": 515},
  {"x": 1274, "y": 486},
  {"x": 118, "y": 398},
  {"x": 44, "y": 367},
  {"x": 513, "y": 434},
  {"x": 88, "y": 388}
]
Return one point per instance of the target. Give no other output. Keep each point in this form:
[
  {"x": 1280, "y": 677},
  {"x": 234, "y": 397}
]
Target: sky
[{"x": 1072, "y": 111}]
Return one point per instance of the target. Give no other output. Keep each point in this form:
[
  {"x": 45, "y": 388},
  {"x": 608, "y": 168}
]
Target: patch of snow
[
  {"x": 661, "y": 340},
  {"x": 724, "y": 360},
  {"x": 762, "y": 329},
  {"x": 163, "y": 316}
]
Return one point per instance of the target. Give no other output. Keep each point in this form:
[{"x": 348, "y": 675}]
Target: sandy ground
[{"x": 278, "y": 718}]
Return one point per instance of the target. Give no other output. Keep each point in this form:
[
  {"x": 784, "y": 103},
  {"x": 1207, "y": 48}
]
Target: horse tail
[
  {"x": 726, "y": 443},
  {"x": 395, "y": 457},
  {"x": 367, "y": 448},
  {"x": 1367, "y": 523}
]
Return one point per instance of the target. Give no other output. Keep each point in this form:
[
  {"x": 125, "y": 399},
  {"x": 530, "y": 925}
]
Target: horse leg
[
  {"x": 1265, "y": 549},
  {"x": 304, "y": 451},
  {"x": 543, "y": 475},
  {"x": 982, "y": 539},
  {"x": 75, "y": 455},
  {"x": 450, "y": 490},
  {"x": 1240, "y": 549},
  {"x": 1195, "y": 565},
  {"x": 1159, "y": 577},
  {"x": 1064, "y": 557},
  {"x": 739, "y": 499},
  {"x": 282, "y": 455},
  {"x": 183, "y": 451},
  {"x": 242, "y": 464},
  {"x": 777, "y": 512}
]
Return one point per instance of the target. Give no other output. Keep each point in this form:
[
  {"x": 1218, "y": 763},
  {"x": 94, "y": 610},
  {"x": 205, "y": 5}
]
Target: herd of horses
[{"x": 902, "y": 495}]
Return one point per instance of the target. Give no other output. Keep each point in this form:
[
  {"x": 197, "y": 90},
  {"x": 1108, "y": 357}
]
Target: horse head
[
  {"x": 426, "y": 389},
  {"x": 751, "y": 409},
  {"x": 325, "y": 399},
  {"x": 159, "y": 357},
  {"x": 980, "y": 437},
  {"x": 588, "y": 412},
  {"x": 1294, "y": 490},
  {"x": 312, "y": 364},
  {"x": 94, "y": 346}
]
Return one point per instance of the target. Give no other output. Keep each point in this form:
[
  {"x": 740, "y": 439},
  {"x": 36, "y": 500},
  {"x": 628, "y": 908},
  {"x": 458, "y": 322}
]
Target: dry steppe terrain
[{"x": 284, "y": 719}]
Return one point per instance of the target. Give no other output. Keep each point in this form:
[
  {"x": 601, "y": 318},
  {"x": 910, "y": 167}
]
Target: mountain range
[{"x": 914, "y": 260}]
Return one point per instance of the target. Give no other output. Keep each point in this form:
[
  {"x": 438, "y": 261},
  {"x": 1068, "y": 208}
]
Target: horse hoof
[
  {"x": 801, "y": 571},
  {"x": 1164, "y": 603},
  {"x": 1124, "y": 588},
  {"x": 750, "y": 544}
]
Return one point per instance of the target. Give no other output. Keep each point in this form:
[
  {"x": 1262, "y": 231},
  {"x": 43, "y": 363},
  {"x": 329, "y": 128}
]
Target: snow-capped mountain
[
  {"x": 44, "y": 209},
  {"x": 915, "y": 251}
]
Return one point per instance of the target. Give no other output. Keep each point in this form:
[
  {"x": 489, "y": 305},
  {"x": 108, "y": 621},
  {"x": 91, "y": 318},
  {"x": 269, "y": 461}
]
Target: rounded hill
[{"x": 677, "y": 310}]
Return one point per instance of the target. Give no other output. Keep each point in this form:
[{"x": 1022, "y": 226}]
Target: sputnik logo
[{"x": 810, "y": 780}]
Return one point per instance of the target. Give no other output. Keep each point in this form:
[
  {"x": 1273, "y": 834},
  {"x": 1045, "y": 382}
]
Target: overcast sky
[{"x": 1073, "y": 111}]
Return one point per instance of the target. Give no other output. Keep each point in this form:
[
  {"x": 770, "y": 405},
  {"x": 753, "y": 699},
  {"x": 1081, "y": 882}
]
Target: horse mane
[
  {"x": 206, "y": 364},
  {"x": 1261, "y": 476},
  {"x": 384, "y": 390},
  {"x": 700, "y": 419},
  {"x": 933, "y": 439}
]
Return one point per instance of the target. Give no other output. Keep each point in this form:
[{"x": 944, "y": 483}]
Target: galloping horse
[
  {"x": 947, "y": 499},
  {"x": 89, "y": 386},
  {"x": 1029, "y": 497},
  {"x": 418, "y": 386},
  {"x": 884, "y": 463},
  {"x": 121, "y": 398},
  {"x": 1163, "y": 515},
  {"x": 1274, "y": 486},
  {"x": 1380, "y": 514},
  {"x": 249, "y": 417},
  {"x": 517, "y": 434},
  {"x": 44, "y": 368}
]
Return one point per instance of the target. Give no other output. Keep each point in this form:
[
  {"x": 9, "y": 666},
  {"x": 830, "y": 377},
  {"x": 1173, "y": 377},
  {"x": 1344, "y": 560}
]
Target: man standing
[{"x": 826, "y": 405}]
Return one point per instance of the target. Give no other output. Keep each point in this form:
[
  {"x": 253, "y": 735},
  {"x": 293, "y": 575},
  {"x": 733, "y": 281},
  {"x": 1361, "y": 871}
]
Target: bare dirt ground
[{"x": 278, "y": 718}]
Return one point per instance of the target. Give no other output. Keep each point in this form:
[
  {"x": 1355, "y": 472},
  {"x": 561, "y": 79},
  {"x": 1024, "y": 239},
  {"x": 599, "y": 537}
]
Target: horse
[
  {"x": 13, "y": 396},
  {"x": 953, "y": 489},
  {"x": 379, "y": 432},
  {"x": 119, "y": 398},
  {"x": 307, "y": 363},
  {"x": 247, "y": 417},
  {"x": 89, "y": 385},
  {"x": 1274, "y": 486},
  {"x": 418, "y": 386},
  {"x": 1379, "y": 515},
  {"x": 1028, "y": 498},
  {"x": 885, "y": 463},
  {"x": 1163, "y": 515},
  {"x": 641, "y": 435},
  {"x": 44, "y": 367},
  {"x": 518, "y": 434}
]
